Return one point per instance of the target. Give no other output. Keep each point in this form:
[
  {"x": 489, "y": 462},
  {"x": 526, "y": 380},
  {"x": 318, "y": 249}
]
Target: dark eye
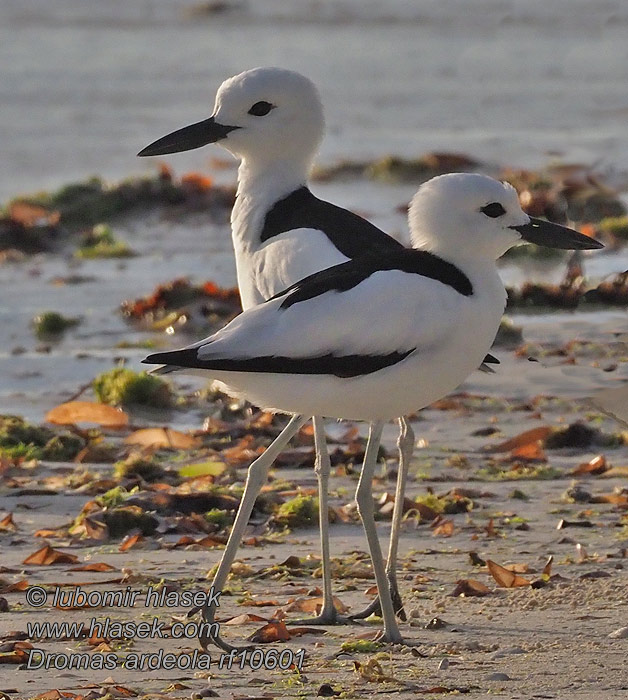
[
  {"x": 260, "y": 109},
  {"x": 494, "y": 209}
]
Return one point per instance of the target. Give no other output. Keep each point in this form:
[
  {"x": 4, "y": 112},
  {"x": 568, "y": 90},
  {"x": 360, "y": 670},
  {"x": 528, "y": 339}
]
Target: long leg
[
  {"x": 364, "y": 498},
  {"x": 328, "y": 614},
  {"x": 405, "y": 443},
  {"x": 256, "y": 478}
]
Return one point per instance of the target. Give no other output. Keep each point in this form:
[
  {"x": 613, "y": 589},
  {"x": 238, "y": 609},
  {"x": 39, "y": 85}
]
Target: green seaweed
[
  {"x": 360, "y": 646},
  {"x": 147, "y": 468},
  {"x": 52, "y": 323},
  {"x": 22, "y": 440},
  {"x": 124, "y": 386},
  {"x": 123, "y": 519},
  {"x": 300, "y": 511},
  {"x": 218, "y": 517},
  {"x": 100, "y": 242},
  {"x": 616, "y": 226}
]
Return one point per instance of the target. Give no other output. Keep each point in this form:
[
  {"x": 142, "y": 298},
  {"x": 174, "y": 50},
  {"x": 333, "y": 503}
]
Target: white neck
[{"x": 260, "y": 185}]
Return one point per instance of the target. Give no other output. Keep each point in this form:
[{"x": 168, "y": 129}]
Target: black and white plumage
[{"x": 432, "y": 329}]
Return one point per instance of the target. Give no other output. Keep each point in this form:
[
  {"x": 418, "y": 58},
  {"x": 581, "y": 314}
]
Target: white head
[
  {"x": 465, "y": 215},
  {"x": 261, "y": 115},
  {"x": 462, "y": 216}
]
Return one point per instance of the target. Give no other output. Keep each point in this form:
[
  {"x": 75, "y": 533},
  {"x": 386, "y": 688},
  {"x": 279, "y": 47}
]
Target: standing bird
[
  {"x": 272, "y": 119},
  {"x": 375, "y": 337}
]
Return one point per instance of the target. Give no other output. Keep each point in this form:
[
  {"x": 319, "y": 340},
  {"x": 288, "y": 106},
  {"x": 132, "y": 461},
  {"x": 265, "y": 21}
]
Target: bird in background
[{"x": 375, "y": 337}]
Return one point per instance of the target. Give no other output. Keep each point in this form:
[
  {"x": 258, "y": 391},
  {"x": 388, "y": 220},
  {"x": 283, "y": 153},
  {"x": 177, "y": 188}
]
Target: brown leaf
[
  {"x": 529, "y": 437},
  {"x": 314, "y": 605},
  {"x": 19, "y": 656},
  {"x": 469, "y": 587},
  {"x": 244, "y": 618},
  {"x": 597, "y": 465},
  {"x": 275, "y": 631},
  {"x": 444, "y": 528},
  {"x": 30, "y": 215},
  {"x": 96, "y": 566},
  {"x": 163, "y": 437},
  {"x": 7, "y": 523},
  {"x": 547, "y": 569},
  {"x": 47, "y": 556},
  {"x": 87, "y": 412},
  {"x": 130, "y": 541},
  {"x": 59, "y": 532},
  {"x": 532, "y": 452},
  {"x": 504, "y": 577},
  {"x": 15, "y": 587}
]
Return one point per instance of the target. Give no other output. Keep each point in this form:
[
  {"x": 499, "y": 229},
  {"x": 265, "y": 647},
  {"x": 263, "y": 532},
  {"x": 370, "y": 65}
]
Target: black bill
[
  {"x": 188, "y": 138},
  {"x": 551, "y": 235}
]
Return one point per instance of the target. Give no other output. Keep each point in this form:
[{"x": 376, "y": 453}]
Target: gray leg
[
  {"x": 405, "y": 443},
  {"x": 328, "y": 614},
  {"x": 364, "y": 498},
  {"x": 256, "y": 478}
]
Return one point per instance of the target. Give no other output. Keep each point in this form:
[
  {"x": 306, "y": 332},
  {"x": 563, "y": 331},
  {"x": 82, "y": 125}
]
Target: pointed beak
[
  {"x": 188, "y": 138},
  {"x": 551, "y": 235}
]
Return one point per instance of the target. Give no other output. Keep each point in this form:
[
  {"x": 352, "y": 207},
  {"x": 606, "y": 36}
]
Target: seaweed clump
[
  {"x": 147, "y": 468},
  {"x": 124, "y": 386},
  {"x": 181, "y": 302},
  {"x": 51, "y": 323},
  {"x": 100, "y": 242},
  {"x": 300, "y": 511},
  {"x": 22, "y": 440}
]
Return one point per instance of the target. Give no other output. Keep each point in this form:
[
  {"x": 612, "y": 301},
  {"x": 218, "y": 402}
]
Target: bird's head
[
  {"x": 468, "y": 215},
  {"x": 263, "y": 115}
]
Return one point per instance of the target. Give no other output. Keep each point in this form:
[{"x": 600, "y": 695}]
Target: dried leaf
[
  {"x": 202, "y": 469},
  {"x": 532, "y": 452},
  {"x": 47, "y": 556},
  {"x": 547, "y": 569},
  {"x": 100, "y": 566},
  {"x": 15, "y": 587},
  {"x": 275, "y": 631},
  {"x": 7, "y": 523},
  {"x": 30, "y": 215},
  {"x": 163, "y": 437},
  {"x": 244, "y": 618},
  {"x": 88, "y": 412},
  {"x": 597, "y": 465},
  {"x": 529, "y": 437},
  {"x": 504, "y": 577},
  {"x": 469, "y": 587},
  {"x": 314, "y": 605},
  {"x": 445, "y": 528},
  {"x": 130, "y": 541}
]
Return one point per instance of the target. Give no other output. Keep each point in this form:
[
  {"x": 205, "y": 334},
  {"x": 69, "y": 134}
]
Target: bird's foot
[
  {"x": 209, "y": 633},
  {"x": 330, "y": 618},
  {"x": 397, "y": 639},
  {"x": 374, "y": 608}
]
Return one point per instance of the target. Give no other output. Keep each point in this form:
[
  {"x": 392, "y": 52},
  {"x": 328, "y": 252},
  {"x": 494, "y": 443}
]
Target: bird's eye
[
  {"x": 260, "y": 109},
  {"x": 494, "y": 210}
]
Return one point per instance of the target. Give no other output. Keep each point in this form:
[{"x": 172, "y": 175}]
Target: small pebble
[
  {"x": 508, "y": 652},
  {"x": 621, "y": 633},
  {"x": 4, "y": 605},
  {"x": 498, "y": 677}
]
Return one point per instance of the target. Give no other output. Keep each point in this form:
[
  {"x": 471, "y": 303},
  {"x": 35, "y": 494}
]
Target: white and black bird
[
  {"x": 376, "y": 337},
  {"x": 272, "y": 119}
]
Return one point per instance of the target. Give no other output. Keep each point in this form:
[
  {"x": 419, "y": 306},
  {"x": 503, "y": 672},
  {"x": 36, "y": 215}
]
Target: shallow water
[{"x": 84, "y": 86}]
